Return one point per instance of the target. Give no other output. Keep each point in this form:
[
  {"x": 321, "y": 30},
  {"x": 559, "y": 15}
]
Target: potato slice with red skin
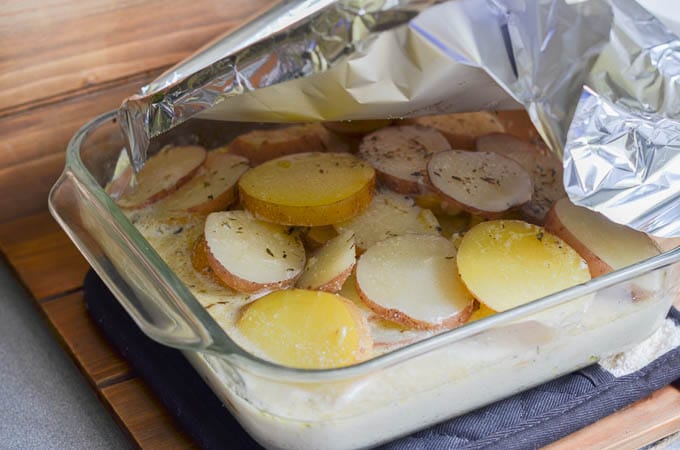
[
  {"x": 400, "y": 155},
  {"x": 413, "y": 280},
  {"x": 605, "y": 245},
  {"x": 307, "y": 329},
  {"x": 544, "y": 166},
  {"x": 328, "y": 268},
  {"x": 213, "y": 188},
  {"x": 263, "y": 145},
  {"x": 249, "y": 255},
  {"x": 308, "y": 189},
  {"x": 461, "y": 129},
  {"x": 483, "y": 183},
  {"x": 162, "y": 174},
  {"x": 387, "y": 335},
  {"x": 507, "y": 263}
]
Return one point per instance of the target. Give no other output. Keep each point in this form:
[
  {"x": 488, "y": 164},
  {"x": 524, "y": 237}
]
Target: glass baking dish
[{"x": 368, "y": 403}]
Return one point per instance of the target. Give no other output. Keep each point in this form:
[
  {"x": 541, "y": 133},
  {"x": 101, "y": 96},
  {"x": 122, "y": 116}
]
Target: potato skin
[
  {"x": 262, "y": 145},
  {"x": 394, "y": 315},
  {"x": 204, "y": 262},
  {"x": 555, "y": 226}
]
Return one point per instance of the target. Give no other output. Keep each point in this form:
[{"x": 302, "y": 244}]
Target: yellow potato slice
[
  {"x": 506, "y": 263},
  {"x": 162, "y": 174},
  {"x": 308, "y": 189},
  {"x": 315, "y": 237},
  {"x": 461, "y": 129},
  {"x": 413, "y": 280},
  {"x": 249, "y": 255},
  {"x": 307, "y": 329},
  {"x": 482, "y": 313},
  {"x": 213, "y": 188},
  {"x": 388, "y": 215},
  {"x": 330, "y": 266}
]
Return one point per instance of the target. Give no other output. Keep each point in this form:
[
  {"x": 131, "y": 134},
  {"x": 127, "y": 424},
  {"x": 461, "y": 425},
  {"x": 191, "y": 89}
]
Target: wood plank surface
[
  {"x": 96, "y": 358},
  {"x": 640, "y": 424},
  {"x": 55, "y": 48},
  {"x": 44, "y": 258},
  {"x": 33, "y": 147},
  {"x": 143, "y": 417}
]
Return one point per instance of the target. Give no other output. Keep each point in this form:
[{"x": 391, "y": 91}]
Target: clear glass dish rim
[{"x": 232, "y": 352}]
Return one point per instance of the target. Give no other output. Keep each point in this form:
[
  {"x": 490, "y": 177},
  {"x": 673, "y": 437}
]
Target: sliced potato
[
  {"x": 544, "y": 166},
  {"x": 482, "y": 183},
  {"x": 387, "y": 335},
  {"x": 451, "y": 225},
  {"x": 413, "y": 280},
  {"x": 252, "y": 256},
  {"x": 605, "y": 245},
  {"x": 308, "y": 189},
  {"x": 357, "y": 127},
  {"x": 482, "y": 313},
  {"x": 263, "y": 145},
  {"x": 162, "y": 174},
  {"x": 438, "y": 204},
  {"x": 506, "y": 263},
  {"x": 330, "y": 266},
  {"x": 461, "y": 129},
  {"x": 307, "y": 329},
  {"x": 389, "y": 215},
  {"x": 315, "y": 237},
  {"x": 213, "y": 188},
  {"x": 400, "y": 155}
]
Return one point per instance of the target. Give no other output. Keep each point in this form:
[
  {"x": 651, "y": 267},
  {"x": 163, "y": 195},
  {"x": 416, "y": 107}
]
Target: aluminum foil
[
  {"x": 362, "y": 59},
  {"x": 622, "y": 156}
]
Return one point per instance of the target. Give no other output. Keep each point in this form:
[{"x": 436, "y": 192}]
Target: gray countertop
[{"x": 45, "y": 402}]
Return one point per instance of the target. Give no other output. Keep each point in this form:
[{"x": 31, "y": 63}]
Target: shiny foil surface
[{"x": 599, "y": 79}]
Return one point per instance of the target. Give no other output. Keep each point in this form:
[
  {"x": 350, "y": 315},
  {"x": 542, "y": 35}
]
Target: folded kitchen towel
[{"x": 530, "y": 419}]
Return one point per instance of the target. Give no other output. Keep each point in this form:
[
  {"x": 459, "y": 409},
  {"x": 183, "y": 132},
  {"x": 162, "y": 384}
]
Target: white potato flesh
[
  {"x": 413, "y": 280},
  {"x": 618, "y": 246},
  {"x": 258, "y": 252},
  {"x": 545, "y": 169},
  {"x": 389, "y": 215},
  {"x": 605, "y": 245},
  {"x": 400, "y": 155},
  {"x": 211, "y": 189},
  {"x": 480, "y": 182},
  {"x": 330, "y": 266},
  {"x": 163, "y": 173}
]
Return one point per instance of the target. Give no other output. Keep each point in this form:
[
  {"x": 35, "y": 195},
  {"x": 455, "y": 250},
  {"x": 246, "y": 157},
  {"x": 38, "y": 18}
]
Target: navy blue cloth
[{"x": 527, "y": 420}]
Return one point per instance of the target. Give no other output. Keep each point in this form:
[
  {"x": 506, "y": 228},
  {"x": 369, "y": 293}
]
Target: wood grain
[
  {"x": 642, "y": 423},
  {"x": 96, "y": 358},
  {"x": 143, "y": 417},
  {"x": 44, "y": 258},
  {"x": 58, "y": 47},
  {"x": 34, "y": 141}
]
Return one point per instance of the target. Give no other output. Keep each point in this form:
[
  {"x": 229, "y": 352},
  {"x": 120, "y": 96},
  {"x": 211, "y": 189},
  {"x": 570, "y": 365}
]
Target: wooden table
[{"x": 63, "y": 62}]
